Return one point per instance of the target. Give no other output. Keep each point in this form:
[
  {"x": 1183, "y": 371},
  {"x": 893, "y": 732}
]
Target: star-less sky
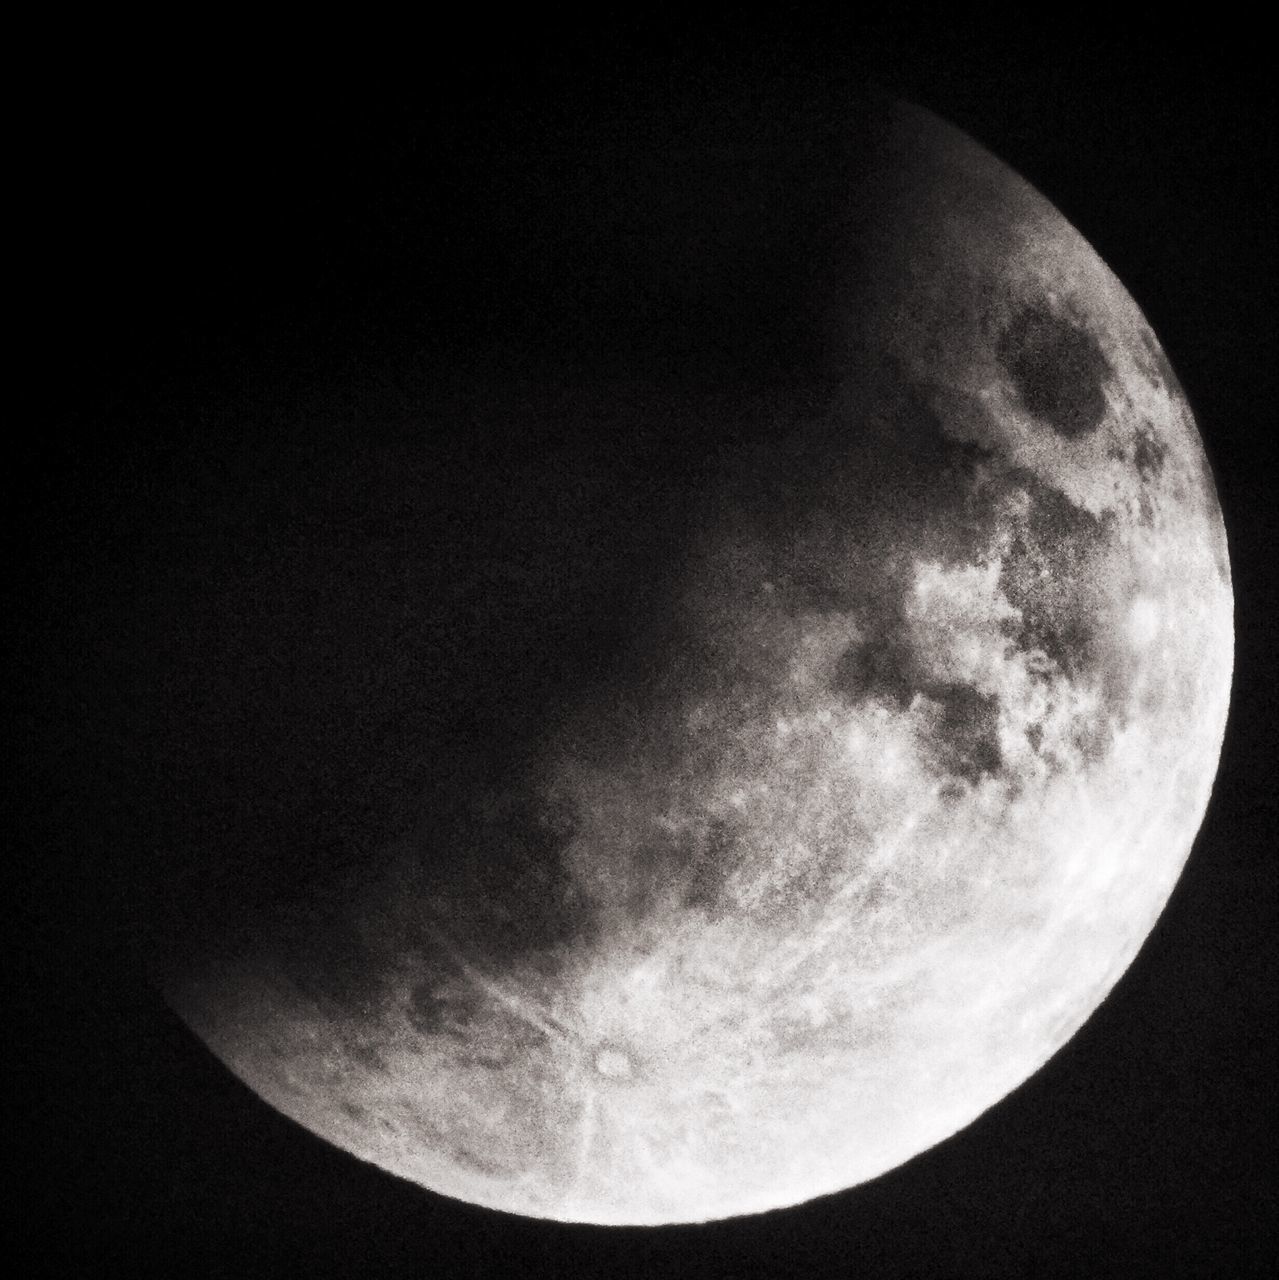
[{"x": 196, "y": 224}]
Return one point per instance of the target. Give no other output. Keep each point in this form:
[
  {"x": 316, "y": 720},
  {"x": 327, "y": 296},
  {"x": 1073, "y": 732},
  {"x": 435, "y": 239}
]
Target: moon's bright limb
[{"x": 888, "y": 811}]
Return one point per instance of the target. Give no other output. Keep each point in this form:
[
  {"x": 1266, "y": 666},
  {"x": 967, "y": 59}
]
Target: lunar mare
[{"x": 868, "y": 826}]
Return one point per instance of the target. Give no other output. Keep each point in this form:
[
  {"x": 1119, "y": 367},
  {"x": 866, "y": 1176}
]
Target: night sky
[{"x": 244, "y": 274}]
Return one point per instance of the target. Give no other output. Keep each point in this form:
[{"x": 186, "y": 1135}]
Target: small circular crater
[{"x": 613, "y": 1063}]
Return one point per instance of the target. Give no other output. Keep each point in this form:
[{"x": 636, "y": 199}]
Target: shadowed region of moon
[{"x": 716, "y": 757}]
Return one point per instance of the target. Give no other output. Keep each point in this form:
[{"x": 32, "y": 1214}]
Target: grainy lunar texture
[{"x": 788, "y": 775}]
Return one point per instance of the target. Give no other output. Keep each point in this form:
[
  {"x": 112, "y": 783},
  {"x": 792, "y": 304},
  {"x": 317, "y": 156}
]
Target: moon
[{"x": 869, "y": 774}]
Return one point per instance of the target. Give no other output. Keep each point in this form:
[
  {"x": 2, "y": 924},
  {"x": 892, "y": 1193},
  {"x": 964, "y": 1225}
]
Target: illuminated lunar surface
[{"x": 869, "y": 820}]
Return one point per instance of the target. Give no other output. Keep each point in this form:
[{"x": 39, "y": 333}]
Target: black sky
[{"x": 195, "y": 217}]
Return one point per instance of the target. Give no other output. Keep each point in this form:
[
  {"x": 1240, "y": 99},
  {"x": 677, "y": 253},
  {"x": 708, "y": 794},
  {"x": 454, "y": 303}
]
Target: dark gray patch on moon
[
  {"x": 919, "y": 468},
  {"x": 469, "y": 1159},
  {"x": 468, "y": 1025},
  {"x": 883, "y": 667},
  {"x": 1148, "y": 454},
  {"x": 716, "y": 853},
  {"x": 1043, "y": 573},
  {"x": 490, "y": 1061},
  {"x": 359, "y": 1047},
  {"x": 433, "y": 1013},
  {"x": 1058, "y": 368},
  {"x": 968, "y": 731},
  {"x": 1092, "y": 739},
  {"x": 1066, "y": 641}
]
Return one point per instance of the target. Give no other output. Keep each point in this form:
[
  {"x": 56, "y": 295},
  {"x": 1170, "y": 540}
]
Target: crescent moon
[{"x": 877, "y": 814}]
